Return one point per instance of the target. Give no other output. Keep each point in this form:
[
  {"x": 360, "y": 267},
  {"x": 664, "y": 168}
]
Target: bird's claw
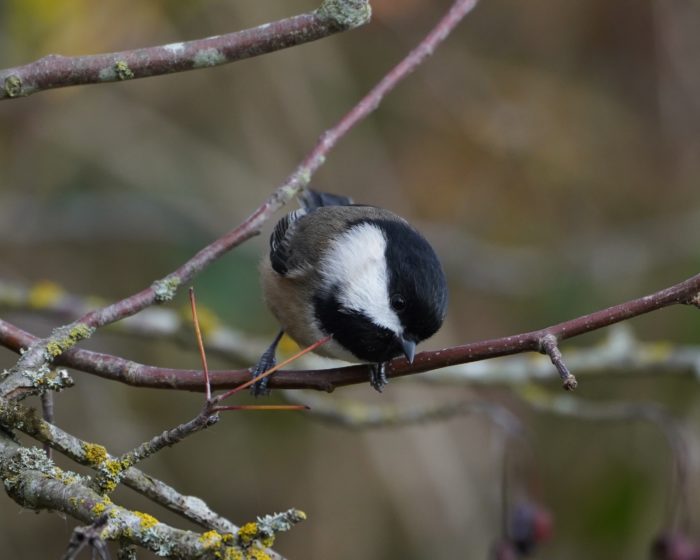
[
  {"x": 377, "y": 376},
  {"x": 267, "y": 361}
]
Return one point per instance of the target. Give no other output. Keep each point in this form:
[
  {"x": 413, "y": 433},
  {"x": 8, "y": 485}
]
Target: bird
[{"x": 359, "y": 273}]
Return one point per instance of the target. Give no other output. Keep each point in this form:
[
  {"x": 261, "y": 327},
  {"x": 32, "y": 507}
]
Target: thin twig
[
  {"x": 27, "y": 421},
  {"x": 200, "y": 345},
  {"x": 111, "y": 472},
  {"x": 89, "y": 536},
  {"x": 550, "y": 347},
  {"x": 47, "y": 411}
]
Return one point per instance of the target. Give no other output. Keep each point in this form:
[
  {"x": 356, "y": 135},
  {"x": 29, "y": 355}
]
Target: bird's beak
[{"x": 409, "y": 349}]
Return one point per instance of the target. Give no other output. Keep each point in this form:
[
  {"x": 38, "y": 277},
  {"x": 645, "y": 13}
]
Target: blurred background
[{"x": 548, "y": 149}]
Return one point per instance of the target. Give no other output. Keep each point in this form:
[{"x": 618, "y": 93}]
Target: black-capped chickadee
[{"x": 359, "y": 273}]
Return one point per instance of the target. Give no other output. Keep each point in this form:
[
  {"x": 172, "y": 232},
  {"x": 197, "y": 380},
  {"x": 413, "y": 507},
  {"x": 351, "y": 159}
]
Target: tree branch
[
  {"x": 621, "y": 351},
  {"x": 35, "y": 482},
  {"x": 28, "y": 421},
  {"x": 132, "y": 373},
  {"x": 55, "y": 71}
]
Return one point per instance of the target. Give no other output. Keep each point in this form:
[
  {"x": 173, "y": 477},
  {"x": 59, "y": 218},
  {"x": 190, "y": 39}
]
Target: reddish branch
[
  {"x": 19, "y": 383},
  {"x": 132, "y": 373},
  {"x": 55, "y": 71}
]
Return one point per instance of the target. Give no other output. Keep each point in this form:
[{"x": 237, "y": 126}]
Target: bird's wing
[
  {"x": 280, "y": 241},
  {"x": 292, "y": 254}
]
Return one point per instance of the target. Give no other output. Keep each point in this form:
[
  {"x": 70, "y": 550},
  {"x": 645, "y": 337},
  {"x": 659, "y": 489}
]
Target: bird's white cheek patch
[{"x": 356, "y": 264}]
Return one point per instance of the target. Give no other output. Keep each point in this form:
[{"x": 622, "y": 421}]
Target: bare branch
[
  {"x": 550, "y": 347},
  {"x": 89, "y": 536},
  {"x": 55, "y": 71},
  {"x": 621, "y": 351},
  {"x": 132, "y": 373}
]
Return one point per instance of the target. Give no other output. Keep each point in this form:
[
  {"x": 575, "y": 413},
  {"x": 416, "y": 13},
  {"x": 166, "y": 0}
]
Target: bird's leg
[
  {"x": 377, "y": 376},
  {"x": 266, "y": 361}
]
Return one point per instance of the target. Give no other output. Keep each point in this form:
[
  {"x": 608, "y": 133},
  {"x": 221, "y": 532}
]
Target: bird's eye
[
  {"x": 386, "y": 336},
  {"x": 398, "y": 303}
]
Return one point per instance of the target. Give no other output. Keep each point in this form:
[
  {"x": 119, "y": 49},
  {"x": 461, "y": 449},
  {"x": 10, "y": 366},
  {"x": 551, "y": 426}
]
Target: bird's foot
[
  {"x": 377, "y": 376},
  {"x": 267, "y": 361}
]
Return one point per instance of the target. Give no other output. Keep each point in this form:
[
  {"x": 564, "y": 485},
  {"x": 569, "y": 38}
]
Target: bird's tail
[{"x": 311, "y": 199}]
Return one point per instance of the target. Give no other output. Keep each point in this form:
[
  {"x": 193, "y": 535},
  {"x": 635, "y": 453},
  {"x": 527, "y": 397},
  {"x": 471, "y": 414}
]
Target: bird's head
[{"x": 384, "y": 290}]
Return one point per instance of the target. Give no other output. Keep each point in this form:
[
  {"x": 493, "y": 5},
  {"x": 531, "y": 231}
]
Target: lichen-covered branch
[
  {"x": 35, "y": 482},
  {"x": 55, "y": 71},
  {"x": 15, "y": 416}
]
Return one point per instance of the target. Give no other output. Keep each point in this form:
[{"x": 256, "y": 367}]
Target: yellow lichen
[
  {"x": 66, "y": 477},
  {"x": 43, "y": 294},
  {"x": 110, "y": 473},
  {"x": 257, "y": 554},
  {"x": 233, "y": 554},
  {"x": 247, "y": 533},
  {"x": 58, "y": 345},
  {"x": 54, "y": 349},
  {"x": 210, "y": 539},
  {"x": 108, "y": 486},
  {"x": 13, "y": 85},
  {"x": 115, "y": 467},
  {"x": 268, "y": 541},
  {"x": 99, "y": 508},
  {"x": 94, "y": 453},
  {"x": 80, "y": 332},
  {"x": 122, "y": 70},
  {"x": 165, "y": 289},
  {"x": 146, "y": 521},
  {"x": 300, "y": 515}
]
